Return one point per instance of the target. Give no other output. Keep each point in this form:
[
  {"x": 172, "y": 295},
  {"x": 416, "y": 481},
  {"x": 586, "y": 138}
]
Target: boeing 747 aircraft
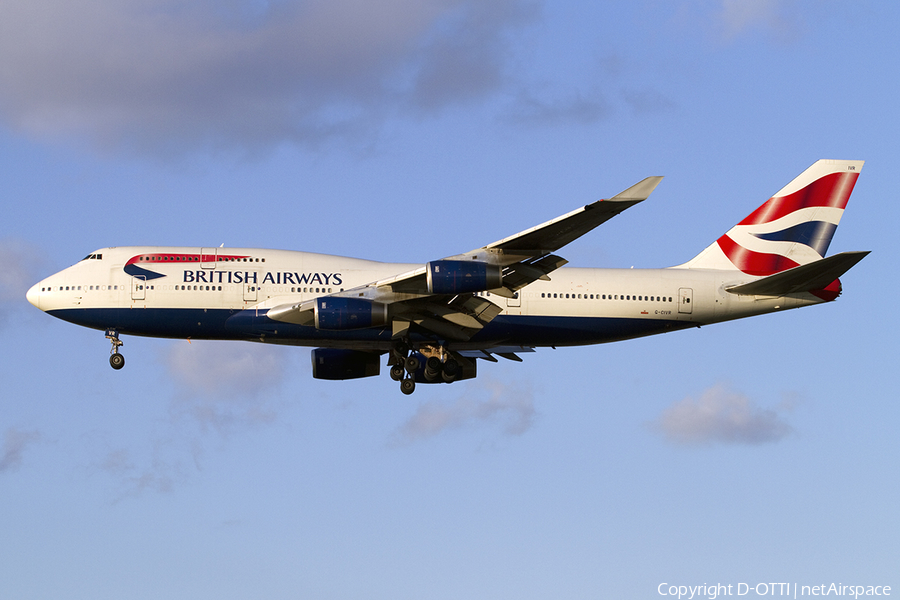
[{"x": 434, "y": 321}]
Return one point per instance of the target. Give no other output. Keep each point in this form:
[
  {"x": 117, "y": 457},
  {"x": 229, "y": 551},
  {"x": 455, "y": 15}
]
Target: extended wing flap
[
  {"x": 518, "y": 275},
  {"x": 507, "y": 352},
  {"x": 812, "y": 276}
]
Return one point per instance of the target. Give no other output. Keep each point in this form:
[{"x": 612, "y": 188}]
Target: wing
[
  {"x": 442, "y": 298},
  {"x": 528, "y": 256}
]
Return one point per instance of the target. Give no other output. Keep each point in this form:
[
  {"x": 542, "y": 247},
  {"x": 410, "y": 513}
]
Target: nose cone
[{"x": 34, "y": 295}]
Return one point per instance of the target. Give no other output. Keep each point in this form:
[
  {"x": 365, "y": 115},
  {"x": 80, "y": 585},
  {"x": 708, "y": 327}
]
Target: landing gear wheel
[
  {"x": 116, "y": 361},
  {"x": 450, "y": 371},
  {"x": 397, "y": 373},
  {"x": 408, "y": 386},
  {"x": 412, "y": 364},
  {"x": 432, "y": 368}
]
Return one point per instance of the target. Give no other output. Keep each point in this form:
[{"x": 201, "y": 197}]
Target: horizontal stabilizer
[{"x": 812, "y": 276}]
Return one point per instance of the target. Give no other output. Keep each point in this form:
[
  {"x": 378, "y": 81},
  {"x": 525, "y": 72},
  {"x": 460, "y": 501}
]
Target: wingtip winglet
[{"x": 639, "y": 191}]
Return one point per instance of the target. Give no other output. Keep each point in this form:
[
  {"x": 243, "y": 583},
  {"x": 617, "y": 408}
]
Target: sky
[{"x": 761, "y": 450}]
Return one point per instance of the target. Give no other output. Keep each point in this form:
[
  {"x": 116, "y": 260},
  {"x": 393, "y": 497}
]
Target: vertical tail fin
[{"x": 792, "y": 228}]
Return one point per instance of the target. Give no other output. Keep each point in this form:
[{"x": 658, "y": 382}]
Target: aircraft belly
[
  {"x": 153, "y": 322},
  {"x": 198, "y": 323},
  {"x": 572, "y": 331}
]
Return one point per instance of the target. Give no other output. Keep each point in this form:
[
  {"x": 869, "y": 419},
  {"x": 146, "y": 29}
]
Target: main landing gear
[
  {"x": 116, "y": 360},
  {"x": 405, "y": 366}
]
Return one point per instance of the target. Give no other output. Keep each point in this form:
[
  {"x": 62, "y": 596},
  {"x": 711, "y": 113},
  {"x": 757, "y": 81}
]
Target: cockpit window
[{"x": 93, "y": 257}]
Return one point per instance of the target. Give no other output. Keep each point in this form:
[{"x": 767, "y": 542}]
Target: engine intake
[
  {"x": 349, "y": 313},
  {"x": 462, "y": 277}
]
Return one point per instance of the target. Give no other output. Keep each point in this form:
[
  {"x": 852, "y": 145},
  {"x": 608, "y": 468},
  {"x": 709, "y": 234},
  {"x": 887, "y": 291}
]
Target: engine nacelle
[
  {"x": 338, "y": 364},
  {"x": 462, "y": 277},
  {"x": 349, "y": 313}
]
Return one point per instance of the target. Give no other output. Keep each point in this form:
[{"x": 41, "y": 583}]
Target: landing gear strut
[{"x": 116, "y": 360}]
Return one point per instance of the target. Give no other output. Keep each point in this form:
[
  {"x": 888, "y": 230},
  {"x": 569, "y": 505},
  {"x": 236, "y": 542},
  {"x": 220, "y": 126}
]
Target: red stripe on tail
[{"x": 754, "y": 263}]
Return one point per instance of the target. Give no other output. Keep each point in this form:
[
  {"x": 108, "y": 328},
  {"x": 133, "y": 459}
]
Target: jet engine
[
  {"x": 462, "y": 277},
  {"x": 349, "y": 313},
  {"x": 338, "y": 363}
]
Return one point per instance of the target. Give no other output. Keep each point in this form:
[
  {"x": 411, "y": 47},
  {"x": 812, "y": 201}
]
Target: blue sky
[{"x": 762, "y": 450}]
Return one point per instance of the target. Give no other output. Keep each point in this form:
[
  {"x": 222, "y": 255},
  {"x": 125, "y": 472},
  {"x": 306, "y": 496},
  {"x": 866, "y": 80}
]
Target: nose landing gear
[{"x": 116, "y": 360}]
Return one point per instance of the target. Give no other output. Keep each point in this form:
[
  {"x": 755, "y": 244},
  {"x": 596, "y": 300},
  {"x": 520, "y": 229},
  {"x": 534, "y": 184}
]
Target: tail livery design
[{"x": 792, "y": 228}]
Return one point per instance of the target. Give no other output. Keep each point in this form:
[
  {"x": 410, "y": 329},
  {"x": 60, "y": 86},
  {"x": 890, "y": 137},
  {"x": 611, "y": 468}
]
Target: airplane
[{"x": 434, "y": 321}]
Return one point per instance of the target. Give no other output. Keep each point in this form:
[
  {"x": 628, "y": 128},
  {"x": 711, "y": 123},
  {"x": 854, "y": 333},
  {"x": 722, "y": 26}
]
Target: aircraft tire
[
  {"x": 408, "y": 386},
  {"x": 116, "y": 361},
  {"x": 412, "y": 364},
  {"x": 450, "y": 371},
  {"x": 397, "y": 373},
  {"x": 432, "y": 368}
]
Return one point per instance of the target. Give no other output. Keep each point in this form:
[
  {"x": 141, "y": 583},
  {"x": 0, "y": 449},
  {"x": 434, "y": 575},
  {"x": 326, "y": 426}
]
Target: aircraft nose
[{"x": 34, "y": 295}]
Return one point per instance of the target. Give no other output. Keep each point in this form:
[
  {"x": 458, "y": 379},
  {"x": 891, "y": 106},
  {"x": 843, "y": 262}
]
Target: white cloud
[
  {"x": 510, "y": 406},
  {"x": 158, "y": 472},
  {"x": 721, "y": 415},
  {"x": 14, "y": 444},
  {"x": 737, "y": 17},
  {"x": 578, "y": 109},
  {"x": 171, "y": 75},
  {"x": 227, "y": 384}
]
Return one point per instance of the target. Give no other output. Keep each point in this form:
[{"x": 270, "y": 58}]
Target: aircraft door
[
  {"x": 138, "y": 287},
  {"x": 251, "y": 290},
  {"x": 208, "y": 258},
  {"x": 515, "y": 301},
  {"x": 685, "y": 300}
]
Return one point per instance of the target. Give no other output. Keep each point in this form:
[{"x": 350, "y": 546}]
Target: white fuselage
[{"x": 224, "y": 293}]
